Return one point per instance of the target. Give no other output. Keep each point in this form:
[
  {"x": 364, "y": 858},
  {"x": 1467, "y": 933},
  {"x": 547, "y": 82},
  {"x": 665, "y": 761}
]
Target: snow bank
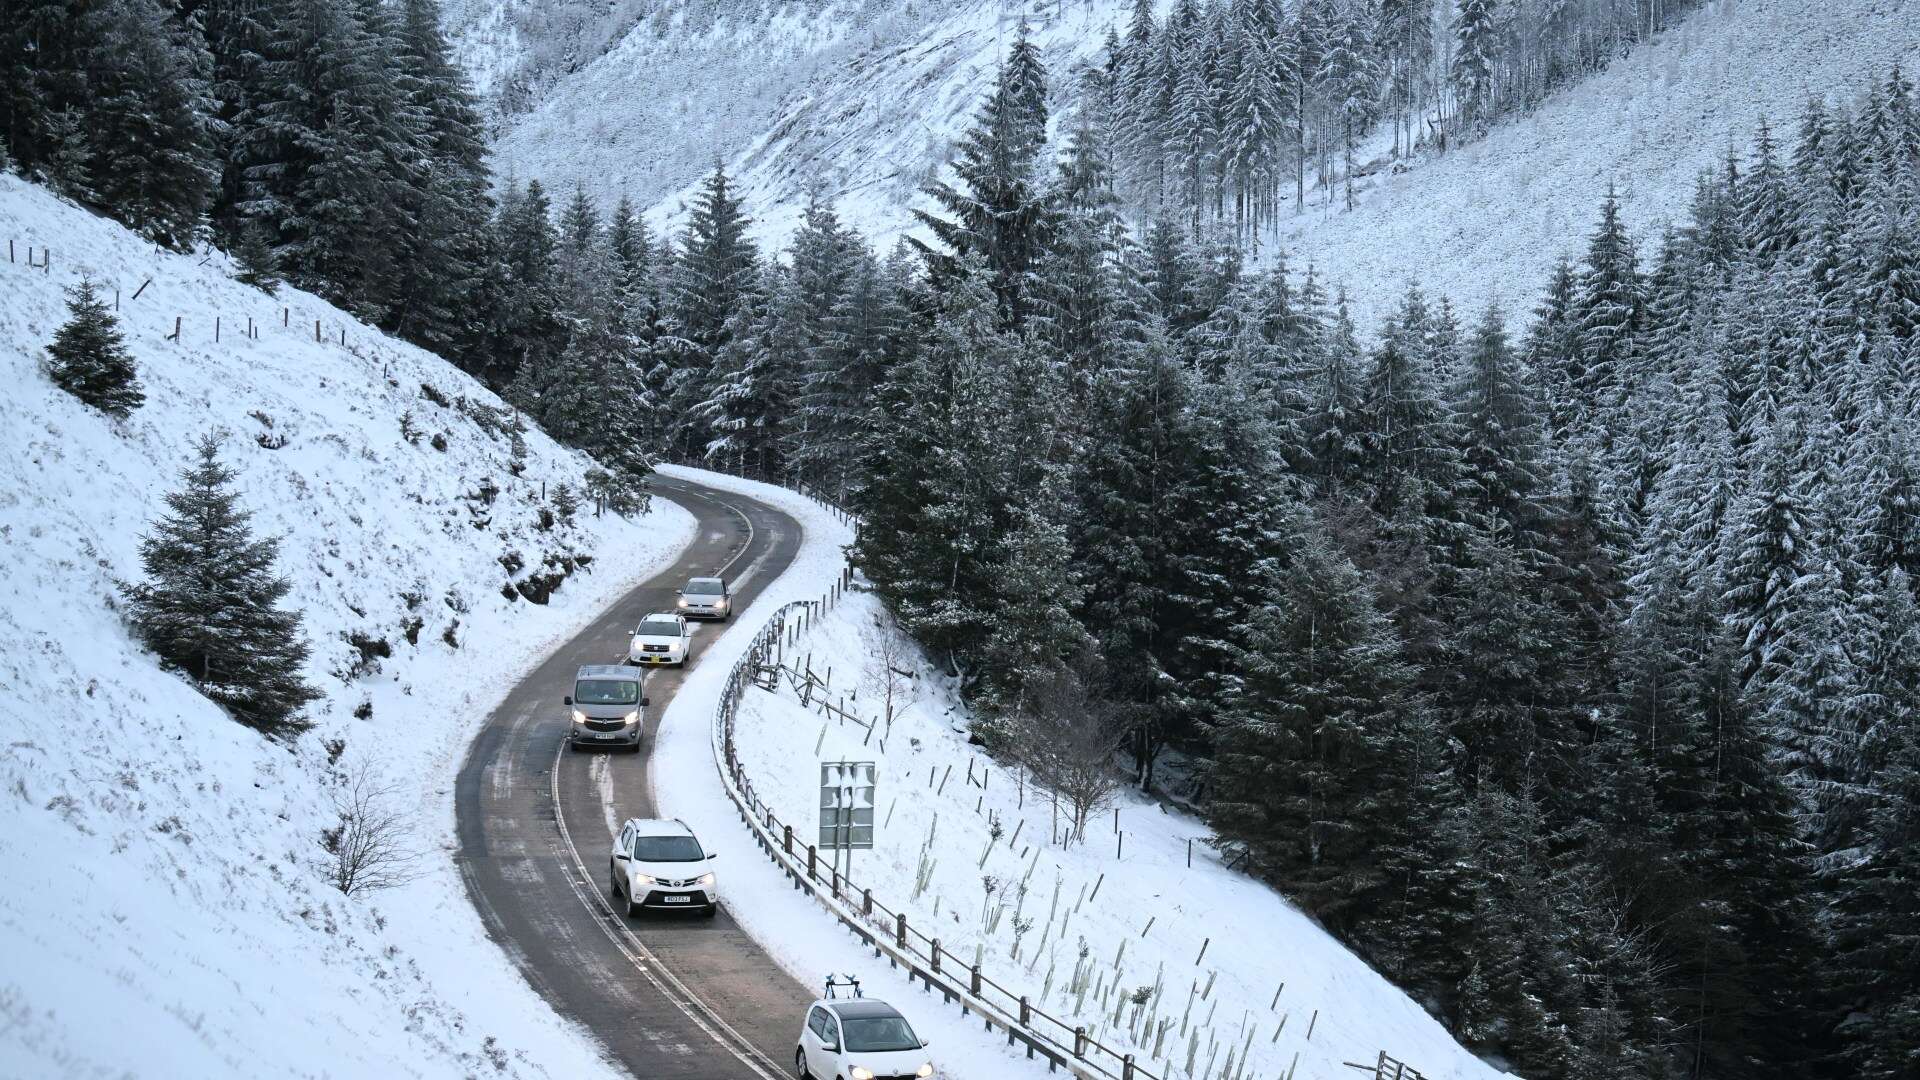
[
  {"x": 163, "y": 910},
  {"x": 800, "y": 935},
  {"x": 1235, "y": 965}
]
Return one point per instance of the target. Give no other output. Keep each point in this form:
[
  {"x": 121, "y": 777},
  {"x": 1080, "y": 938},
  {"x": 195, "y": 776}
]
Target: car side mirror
[
  {"x": 712, "y": 856},
  {"x": 645, "y": 701},
  {"x": 678, "y": 592},
  {"x": 621, "y": 855},
  {"x": 830, "y": 1046},
  {"x": 568, "y": 700}
]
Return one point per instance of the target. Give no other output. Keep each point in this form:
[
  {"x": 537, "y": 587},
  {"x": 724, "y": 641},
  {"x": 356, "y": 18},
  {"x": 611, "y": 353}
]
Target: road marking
[
  {"x": 614, "y": 925},
  {"x": 602, "y": 772},
  {"x": 746, "y": 546},
  {"x": 624, "y": 939}
]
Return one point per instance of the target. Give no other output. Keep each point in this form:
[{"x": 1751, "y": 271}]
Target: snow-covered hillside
[
  {"x": 1488, "y": 221},
  {"x": 1233, "y": 971},
  {"x": 790, "y": 100},
  {"x": 790, "y": 97},
  {"x": 163, "y": 910}
]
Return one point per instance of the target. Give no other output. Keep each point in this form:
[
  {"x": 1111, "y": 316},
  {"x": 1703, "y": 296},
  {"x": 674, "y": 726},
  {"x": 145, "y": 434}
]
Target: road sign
[{"x": 846, "y": 804}]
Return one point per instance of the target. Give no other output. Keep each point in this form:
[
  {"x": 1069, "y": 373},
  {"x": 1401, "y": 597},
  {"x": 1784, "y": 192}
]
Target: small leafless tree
[
  {"x": 1066, "y": 735},
  {"x": 889, "y": 679},
  {"x": 369, "y": 849}
]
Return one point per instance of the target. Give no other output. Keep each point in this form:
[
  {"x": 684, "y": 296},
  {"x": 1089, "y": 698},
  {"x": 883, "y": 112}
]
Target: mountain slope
[
  {"x": 165, "y": 910},
  {"x": 864, "y": 100},
  {"x": 870, "y": 118},
  {"x": 1487, "y": 221}
]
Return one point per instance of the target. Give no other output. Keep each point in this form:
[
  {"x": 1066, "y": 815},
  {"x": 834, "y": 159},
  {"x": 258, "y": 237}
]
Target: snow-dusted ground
[
  {"x": 1487, "y": 221},
  {"x": 870, "y": 122},
  {"x": 800, "y": 935},
  {"x": 864, "y": 99},
  {"x": 1258, "y": 940},
  {"x": 163, "y": 910}
]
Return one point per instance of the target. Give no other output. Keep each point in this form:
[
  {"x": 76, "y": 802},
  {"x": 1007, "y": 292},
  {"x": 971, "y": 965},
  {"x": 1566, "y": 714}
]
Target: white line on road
[{"x": 642, "y": 958}]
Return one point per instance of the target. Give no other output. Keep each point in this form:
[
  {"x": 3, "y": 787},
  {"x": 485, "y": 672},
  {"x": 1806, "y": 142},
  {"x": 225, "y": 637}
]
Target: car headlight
[
  {"x": 579, "y": 717},
  {"x": 631, "y": 718},
  {"x": 925, "y": 1070},
  {"x": 705, "y": 879},
  {"x": 683, "y": 601},
  {"x": 858, "y": 1073},
  {"x": 643, "y": 879}
]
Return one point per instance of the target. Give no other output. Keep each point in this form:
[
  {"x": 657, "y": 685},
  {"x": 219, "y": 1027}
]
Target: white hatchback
[
  {"x": 662, "y": 638},
  {"x": 660, "y": 864},
  {"x": 859, "y": 1039}
]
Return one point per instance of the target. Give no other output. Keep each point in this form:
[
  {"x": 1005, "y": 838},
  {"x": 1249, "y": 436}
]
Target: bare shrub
[
  {"x": 369, "y": 850},
  {"x": 890, "y": 681},
  {"x": 1066, "y": 736}
]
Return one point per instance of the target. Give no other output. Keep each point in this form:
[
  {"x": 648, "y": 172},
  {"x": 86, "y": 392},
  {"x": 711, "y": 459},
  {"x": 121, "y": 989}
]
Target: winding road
[{"x": 670, "y": 996}]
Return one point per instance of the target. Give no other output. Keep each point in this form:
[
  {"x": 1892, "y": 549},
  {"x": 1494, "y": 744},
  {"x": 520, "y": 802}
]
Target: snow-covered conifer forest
[{"x": 1560, "y": 654}]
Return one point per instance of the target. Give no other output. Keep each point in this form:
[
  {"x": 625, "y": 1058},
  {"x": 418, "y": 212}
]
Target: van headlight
[
  {"x": 631, "y": 718},
  {"x": 579, "y": 717}
]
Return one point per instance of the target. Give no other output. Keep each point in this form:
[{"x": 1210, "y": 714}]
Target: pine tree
[
  {"x": 258, "y": 265},
  {"x": 998, "y": 210},
  {"x": 1306, "y": 731},
  {"x": 1877, "y": 921},
  {"x": 152, "y": 162},
  {"x": 718, "y": 264},
  {"x": 1349, "y": 78},
  {"x": 209, "y": 605},
  {"x": 89, "y": 358},
  {"x": 1497, "y": 416},
  {"x": 1605, "y": 313},
  {"x": 1476, "y": 57}
]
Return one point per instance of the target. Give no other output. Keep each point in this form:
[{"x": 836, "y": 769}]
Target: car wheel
[
  {"x": 573, "y": 746},
  {"x": 711, "y": 910},
  {"x": 800, "y": 1065},
  {"x": 613, "y": 883},
  {"x": 633, "y": 909}
]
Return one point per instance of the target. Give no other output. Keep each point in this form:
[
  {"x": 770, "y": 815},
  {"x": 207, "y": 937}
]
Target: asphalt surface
[{"x": 671, "y": 996}]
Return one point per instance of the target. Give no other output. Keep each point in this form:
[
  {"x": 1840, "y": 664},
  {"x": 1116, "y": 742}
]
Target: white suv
[
  {"x": 659, "y": 864},
  {"x": 859, "y": 1039},
  {"x": 661, "y": 638}
]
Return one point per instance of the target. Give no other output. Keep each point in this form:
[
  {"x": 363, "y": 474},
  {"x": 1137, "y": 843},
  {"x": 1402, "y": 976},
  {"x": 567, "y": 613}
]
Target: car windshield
[
  {"x": 606, "y": 692},
  {"x": 658, "y": 628},
  {"x": 704, "y": 588},
  {"x": 667, "y": 849},
  {"x": 879, "y": 1034}
]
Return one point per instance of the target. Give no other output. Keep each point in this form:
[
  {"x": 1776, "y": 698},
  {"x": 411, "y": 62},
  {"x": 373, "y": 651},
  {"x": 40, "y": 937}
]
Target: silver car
[
  {"x": 607, "y": 706},
  {"x": 706, "y": 598}
]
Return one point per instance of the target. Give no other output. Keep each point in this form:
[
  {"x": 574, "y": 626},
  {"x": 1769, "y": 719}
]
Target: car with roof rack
[{"x": 858, "y": 1038}]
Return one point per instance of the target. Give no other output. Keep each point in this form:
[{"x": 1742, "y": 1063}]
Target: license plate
[
  {"x": 676, "y": 899},
  {"x": 615, "y": 736}
]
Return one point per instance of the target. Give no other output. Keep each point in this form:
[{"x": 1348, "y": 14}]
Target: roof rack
[{"x": 844, "y": 980}]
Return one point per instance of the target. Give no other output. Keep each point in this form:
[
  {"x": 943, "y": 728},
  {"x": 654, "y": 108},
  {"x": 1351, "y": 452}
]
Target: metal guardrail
[{"x": 885, "y": 930}]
